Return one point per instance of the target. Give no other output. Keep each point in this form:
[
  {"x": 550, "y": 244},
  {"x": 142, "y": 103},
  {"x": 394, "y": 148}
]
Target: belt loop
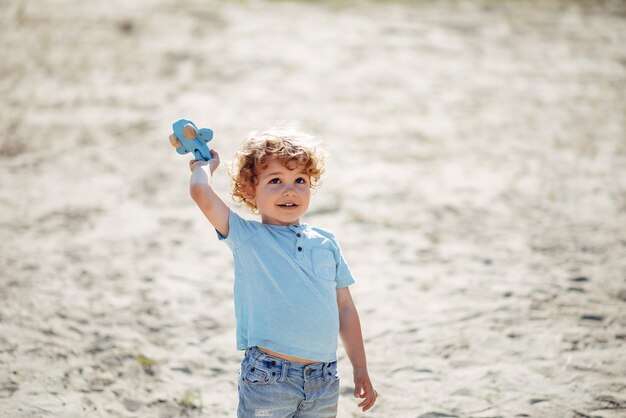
[
  {"x": 283, "y": 372},
  {"x": 325, "y": 372}
]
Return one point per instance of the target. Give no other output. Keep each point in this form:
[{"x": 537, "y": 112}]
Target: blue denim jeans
[{"x": 272, "y": 387}]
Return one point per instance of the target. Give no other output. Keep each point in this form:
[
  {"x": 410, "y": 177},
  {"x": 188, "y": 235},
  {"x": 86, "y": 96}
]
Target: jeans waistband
[{"x": 285, "y": 368}]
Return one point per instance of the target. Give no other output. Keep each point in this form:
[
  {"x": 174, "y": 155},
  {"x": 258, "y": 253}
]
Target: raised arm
[{"x": 209, "y": 202}]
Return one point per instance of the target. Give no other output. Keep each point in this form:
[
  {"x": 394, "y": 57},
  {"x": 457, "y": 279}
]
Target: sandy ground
[{"x": 477, "y": 182}]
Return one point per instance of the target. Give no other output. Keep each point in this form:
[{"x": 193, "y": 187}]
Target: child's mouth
[{"x": 287, "y": 205}]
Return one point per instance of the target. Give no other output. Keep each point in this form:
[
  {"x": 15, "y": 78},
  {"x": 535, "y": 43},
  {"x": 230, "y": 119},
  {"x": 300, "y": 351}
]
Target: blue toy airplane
[{"x": 188, "y": 138}]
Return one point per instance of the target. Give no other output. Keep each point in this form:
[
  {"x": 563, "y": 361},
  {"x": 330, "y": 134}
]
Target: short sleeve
[
  {"x": 344, "y": 277},
  {"x": 239, "y": 231}
]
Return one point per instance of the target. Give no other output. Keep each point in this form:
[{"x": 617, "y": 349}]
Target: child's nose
[{"x": 289, "y": 190}]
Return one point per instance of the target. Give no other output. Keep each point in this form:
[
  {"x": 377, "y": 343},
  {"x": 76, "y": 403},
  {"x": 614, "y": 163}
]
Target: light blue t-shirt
[{"x": 285, "y": 287}]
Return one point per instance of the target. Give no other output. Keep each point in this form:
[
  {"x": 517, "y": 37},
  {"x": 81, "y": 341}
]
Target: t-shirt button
[
  {"x": 298, "y": 235},
  {"x": 299, "y": 248}
]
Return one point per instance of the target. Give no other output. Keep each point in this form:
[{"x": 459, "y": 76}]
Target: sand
[{"x": 476, "y": 181}]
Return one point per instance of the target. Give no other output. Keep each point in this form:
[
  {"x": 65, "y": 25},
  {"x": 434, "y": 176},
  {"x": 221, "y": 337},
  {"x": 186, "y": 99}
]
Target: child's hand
[
  {"x": 364, "y": 389},
  {"x": 213, "y": 163}
]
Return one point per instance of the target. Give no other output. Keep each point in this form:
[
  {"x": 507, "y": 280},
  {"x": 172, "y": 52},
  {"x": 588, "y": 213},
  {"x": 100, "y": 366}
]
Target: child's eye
[
  {"x": 275, "y": 180},
  {"x": 301, "y": 180}
]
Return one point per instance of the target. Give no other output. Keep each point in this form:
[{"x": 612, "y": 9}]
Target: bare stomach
[{"x": 286, "y": 357}]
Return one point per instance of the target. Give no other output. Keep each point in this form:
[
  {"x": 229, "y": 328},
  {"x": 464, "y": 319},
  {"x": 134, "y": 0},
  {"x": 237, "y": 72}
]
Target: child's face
[{"x": 283, "y": 193}]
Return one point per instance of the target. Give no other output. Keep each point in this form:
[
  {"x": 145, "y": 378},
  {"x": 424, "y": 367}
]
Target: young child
[{"x": 291, "y": 281}]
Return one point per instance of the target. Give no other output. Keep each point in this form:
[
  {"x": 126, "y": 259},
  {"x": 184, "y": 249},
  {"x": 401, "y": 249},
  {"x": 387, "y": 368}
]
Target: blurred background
[{"x": 476, "y": 181}]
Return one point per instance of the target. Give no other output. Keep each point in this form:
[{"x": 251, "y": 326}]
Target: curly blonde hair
[{"x": 286, "y": 145}]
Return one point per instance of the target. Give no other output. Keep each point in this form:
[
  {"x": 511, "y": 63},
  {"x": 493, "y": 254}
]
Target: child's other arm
[
  {"x": 350, "y": 332},
  {"x": 213, "y": 207}
]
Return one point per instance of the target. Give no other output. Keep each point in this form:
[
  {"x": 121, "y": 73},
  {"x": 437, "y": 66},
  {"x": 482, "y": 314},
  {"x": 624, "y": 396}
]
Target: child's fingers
[
  {"x": 365, "y": 405},
  {"x": 214, "y": 162},
  {"x": 370, "y": 400},
  {"x": 369, "y": 396}
]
